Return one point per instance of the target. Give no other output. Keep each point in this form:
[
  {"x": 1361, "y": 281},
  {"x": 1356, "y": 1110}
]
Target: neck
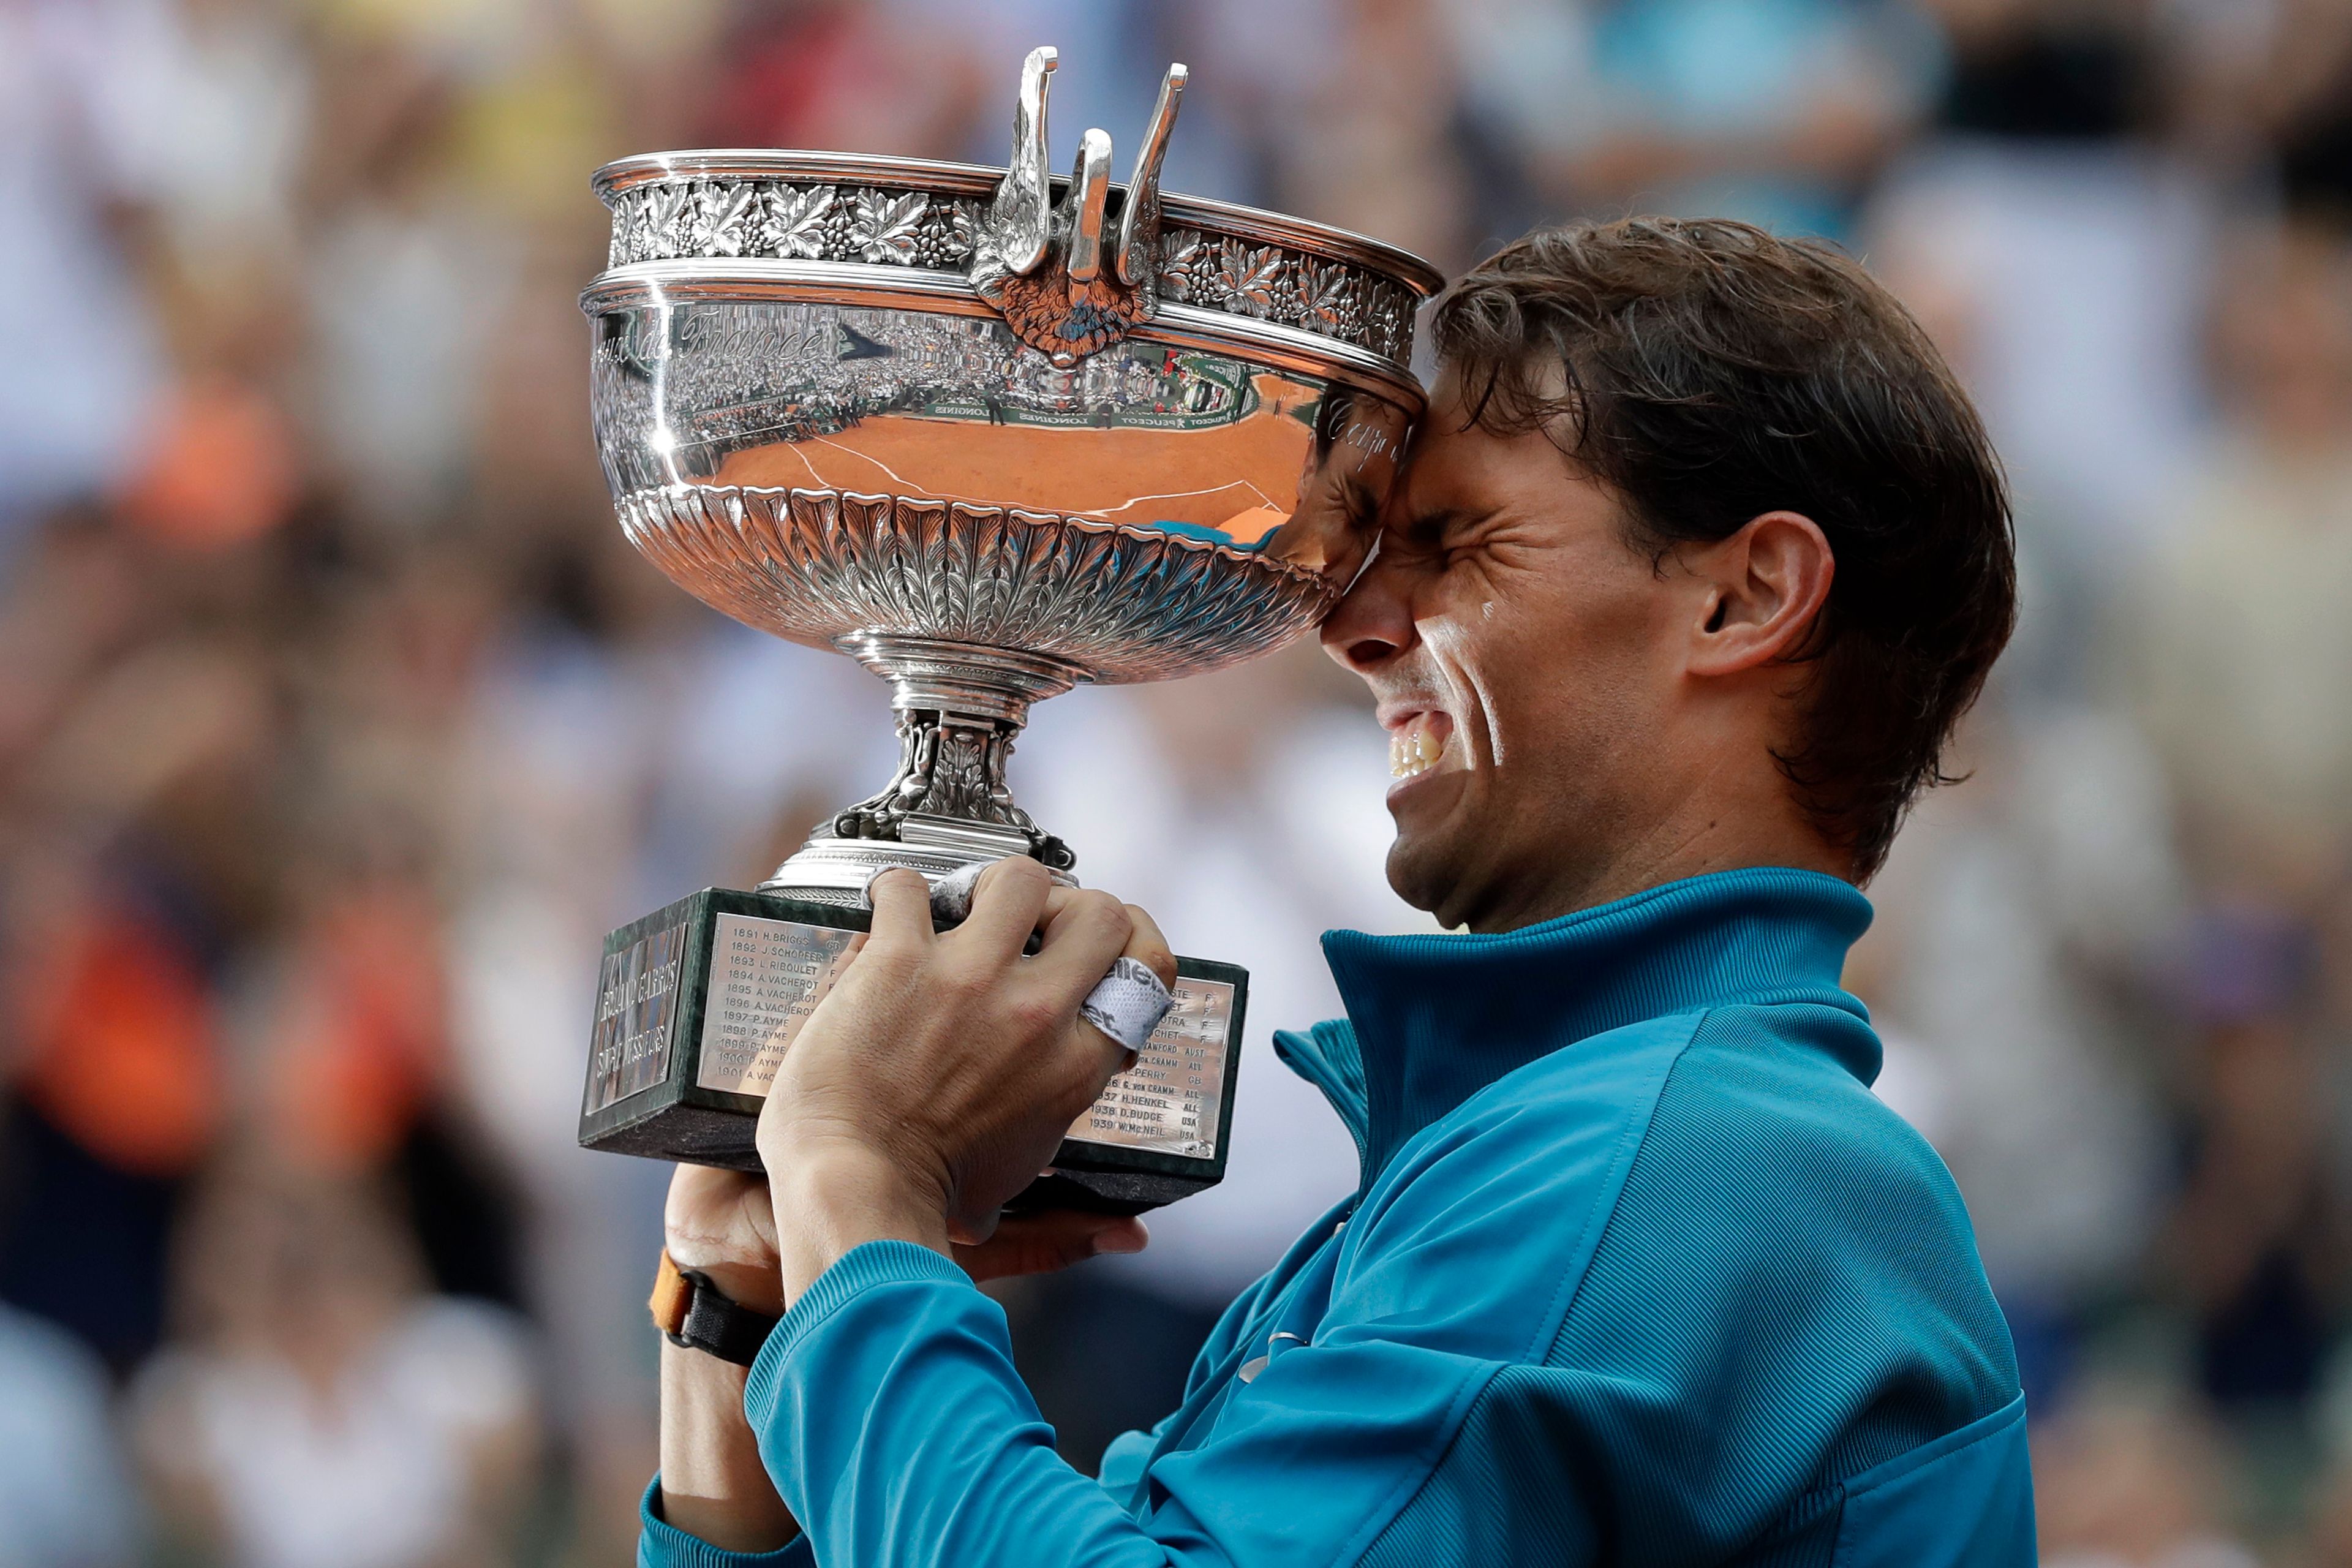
[{"x": 1716, "y": 826}]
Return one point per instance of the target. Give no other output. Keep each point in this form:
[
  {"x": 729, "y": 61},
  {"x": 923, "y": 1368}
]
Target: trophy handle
[
  {"x": 1139, "y": 223},
  {"x": 1043, "y": 267},
  {"x": 1020, "y": 218},
  {"x": 1089, "y": 198}
]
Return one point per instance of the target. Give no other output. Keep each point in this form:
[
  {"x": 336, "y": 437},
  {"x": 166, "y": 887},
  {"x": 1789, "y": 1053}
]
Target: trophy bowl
[{"x": 992, "y": 432}]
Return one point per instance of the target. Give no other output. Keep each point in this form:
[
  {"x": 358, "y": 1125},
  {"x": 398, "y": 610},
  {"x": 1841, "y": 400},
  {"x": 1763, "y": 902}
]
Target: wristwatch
[{"x": 696, "y": 1315}]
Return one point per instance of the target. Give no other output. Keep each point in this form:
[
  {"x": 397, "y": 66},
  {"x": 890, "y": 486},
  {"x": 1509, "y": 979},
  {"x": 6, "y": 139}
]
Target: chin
[
  {"x": 1423, "y": 874},
  {"x": 1434, "y": 854}
]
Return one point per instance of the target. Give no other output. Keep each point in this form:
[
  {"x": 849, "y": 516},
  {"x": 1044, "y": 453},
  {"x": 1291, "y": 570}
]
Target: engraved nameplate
[
  {"x": 766, "y": 977},
  {"x": 636, "y": 1013},
  {"x": 1169, "y": 1101}
]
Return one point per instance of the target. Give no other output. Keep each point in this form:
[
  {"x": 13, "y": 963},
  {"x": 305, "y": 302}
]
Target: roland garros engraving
[{"x": 637, "y": 1013}]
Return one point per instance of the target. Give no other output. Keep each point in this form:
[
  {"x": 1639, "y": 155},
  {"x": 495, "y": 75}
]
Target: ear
[{"x": 1762, "y": 589}]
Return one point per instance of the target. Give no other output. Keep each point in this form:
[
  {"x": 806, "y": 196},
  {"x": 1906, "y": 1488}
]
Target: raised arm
[
  {"x": 714, "y": 1503},
  {"x": 713, "y": 1488}
]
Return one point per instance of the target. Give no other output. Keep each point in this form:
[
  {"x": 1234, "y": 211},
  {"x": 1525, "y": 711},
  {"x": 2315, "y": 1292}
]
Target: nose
[{"x": 1373, "y": 622}]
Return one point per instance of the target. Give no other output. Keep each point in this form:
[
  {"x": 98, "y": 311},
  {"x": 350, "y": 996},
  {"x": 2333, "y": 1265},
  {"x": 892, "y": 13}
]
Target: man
[{"x": 1699, "y": 557}]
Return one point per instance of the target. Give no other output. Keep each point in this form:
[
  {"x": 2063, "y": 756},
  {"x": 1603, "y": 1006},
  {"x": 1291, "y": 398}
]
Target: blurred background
[{"x": 337, "y": 724}]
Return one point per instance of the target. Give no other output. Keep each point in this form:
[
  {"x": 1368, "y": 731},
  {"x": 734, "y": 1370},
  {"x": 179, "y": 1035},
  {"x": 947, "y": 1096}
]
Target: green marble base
[{"x": 698, "y": 1002}]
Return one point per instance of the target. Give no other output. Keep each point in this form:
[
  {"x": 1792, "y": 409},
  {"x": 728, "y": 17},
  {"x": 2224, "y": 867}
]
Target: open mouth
[{"x": 1416, "y": 741}]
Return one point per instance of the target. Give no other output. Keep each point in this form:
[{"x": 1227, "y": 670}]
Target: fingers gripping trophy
[{"x": 992, "y": 433}]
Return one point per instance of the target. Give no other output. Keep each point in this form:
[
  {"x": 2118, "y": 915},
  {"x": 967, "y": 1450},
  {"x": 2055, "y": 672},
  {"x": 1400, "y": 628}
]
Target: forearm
[
  {"x": 893, "y": 1418},
  {"x": 713, "y": 1485}
]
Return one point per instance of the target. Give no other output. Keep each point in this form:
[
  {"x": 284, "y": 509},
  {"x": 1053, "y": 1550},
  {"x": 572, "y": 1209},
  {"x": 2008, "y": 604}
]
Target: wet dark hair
[{"x": 1709, "y": 373}]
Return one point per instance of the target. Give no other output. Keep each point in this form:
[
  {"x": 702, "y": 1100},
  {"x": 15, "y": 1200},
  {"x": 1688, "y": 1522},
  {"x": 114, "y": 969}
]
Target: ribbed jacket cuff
[
  {"x": 661, "y": 1544},
  {"x": 861, "y": 1268}
]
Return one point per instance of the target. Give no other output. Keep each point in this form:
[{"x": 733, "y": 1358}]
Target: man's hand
[
  {"x": 941, "y": 1073},
  {"x": 723, "y": 1223}
]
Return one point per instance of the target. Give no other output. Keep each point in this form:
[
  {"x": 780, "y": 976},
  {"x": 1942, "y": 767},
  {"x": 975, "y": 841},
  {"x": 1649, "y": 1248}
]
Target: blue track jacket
[{"x": 1639, "y": 1272}]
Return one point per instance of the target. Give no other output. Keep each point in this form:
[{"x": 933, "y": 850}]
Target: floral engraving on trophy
[
  {"x": 1331, "y": 302},
  {"x": 1332, "y": 299},
  {"x": 719, "y": 220},
  {"x": 666, "y": 220},
  {"x": 795, "y": 220},
  {"x": 1249, "y": 278},
  {"x": 1187, "y": 262},
  {"x": 948, "y": 234},
  {"x": 884, "y": 225}
]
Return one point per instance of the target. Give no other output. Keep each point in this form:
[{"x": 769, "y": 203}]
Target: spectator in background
[
  {"x": 318, "y": 1408},
  {"x": 2235, "y": 646},
  {"x": 139, "y": 737},
  {"x": 890, "y": 76},
  {"x": 1348, "y": 111},
  {"x": 118, "y": 1094},
  {"x": 84, "y": 366},
  {"x": 1776, "y": 111},
  {"x": 2070, "y": 243},
  {"x": 611, "y": 747},
  {"x": 2259, "y": 1228},
  {"x": 2014, "y": 917},
  {"x": 2130, "y": 1477},
  {"x": 405, "y": 279},
  {"x": 2268, "y": 90},
  {"x": 2235, "y": 643},
  {"x": 66, "y": 1496}
]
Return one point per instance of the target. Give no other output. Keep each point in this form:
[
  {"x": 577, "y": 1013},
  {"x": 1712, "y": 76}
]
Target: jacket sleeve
[
  {"x": 888, "y": 1411},
  {"x": 661, "y": 1544},
  {"x": 1124, "y": 1460},
  {"x": 889, "y": 1414}
]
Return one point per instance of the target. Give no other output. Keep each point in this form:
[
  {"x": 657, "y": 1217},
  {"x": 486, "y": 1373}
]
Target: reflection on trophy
[{"x": 990, "y": 433}]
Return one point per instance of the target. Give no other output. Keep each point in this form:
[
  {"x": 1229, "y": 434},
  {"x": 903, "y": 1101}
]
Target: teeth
[{"x": 1413, "y": 750}]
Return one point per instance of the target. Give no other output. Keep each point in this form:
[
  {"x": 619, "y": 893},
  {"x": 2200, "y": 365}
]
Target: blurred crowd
[{"x": 337, "y": 724}]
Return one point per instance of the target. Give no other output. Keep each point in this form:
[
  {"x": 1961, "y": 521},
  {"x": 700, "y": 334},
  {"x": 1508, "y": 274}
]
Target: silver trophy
[{"x": 992, "y": 433}]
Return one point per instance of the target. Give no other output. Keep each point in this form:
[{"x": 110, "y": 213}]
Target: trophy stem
[{"x": 960, "y": 705}]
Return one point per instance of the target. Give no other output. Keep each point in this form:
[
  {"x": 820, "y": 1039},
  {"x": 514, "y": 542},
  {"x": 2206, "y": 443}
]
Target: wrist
[
  {"x": 713, "y": 1484},
  {"x": 834, "y": 1194},
  {"x": 754, "y": 1286}
]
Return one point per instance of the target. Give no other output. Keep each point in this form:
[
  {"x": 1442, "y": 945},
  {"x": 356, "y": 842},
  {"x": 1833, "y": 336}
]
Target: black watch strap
[{"x": 695, "y": 1314}]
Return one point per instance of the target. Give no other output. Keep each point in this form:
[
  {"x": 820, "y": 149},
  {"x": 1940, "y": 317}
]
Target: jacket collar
[{"x": 1433, "y": 1019}]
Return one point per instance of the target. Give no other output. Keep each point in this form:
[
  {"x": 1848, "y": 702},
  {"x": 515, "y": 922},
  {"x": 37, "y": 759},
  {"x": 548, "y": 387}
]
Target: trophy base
[{"x": 698, "y": 1002}]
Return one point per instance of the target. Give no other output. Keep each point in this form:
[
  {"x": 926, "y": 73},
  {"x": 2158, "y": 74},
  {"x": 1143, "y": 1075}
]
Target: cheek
[{"x": 1555, "y": 673}]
